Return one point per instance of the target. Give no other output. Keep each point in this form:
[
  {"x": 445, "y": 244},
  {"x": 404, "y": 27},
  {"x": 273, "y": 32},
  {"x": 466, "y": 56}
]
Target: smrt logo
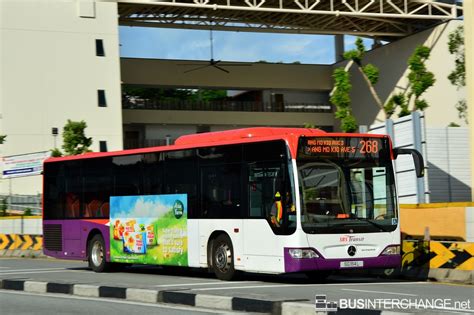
[{"x": 350, "y": 238}]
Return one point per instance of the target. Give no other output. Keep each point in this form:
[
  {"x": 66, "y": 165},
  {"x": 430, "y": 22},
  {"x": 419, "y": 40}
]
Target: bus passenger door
[
  {"x": 221, "y": 206},
  {"x": 261, "y": 244}
]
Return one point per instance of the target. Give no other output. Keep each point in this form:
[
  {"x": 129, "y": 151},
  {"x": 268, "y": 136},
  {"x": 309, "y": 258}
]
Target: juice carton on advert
[
  {"x": 118, "y": 230},
  {"x": 151, "y": 237},
  {"x": 134, "y": 242},
  {"x": 130, "y": 225}
]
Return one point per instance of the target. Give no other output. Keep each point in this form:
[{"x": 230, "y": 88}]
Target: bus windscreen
[{"x": 346, "y": 184}]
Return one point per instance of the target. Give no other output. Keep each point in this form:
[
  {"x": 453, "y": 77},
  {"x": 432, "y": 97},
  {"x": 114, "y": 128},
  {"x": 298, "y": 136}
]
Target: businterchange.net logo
[{"x": 322, "y": 304}]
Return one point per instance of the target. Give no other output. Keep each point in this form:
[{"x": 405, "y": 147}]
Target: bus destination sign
[{"x": 347, "y": 147}]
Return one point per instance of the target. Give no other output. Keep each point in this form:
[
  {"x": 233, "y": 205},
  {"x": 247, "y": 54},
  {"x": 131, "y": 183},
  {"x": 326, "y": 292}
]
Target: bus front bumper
[{"x": 321, "y": 263}]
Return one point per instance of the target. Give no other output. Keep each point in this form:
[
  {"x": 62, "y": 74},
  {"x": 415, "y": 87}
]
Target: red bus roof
[{"x": 243, "y": 135}]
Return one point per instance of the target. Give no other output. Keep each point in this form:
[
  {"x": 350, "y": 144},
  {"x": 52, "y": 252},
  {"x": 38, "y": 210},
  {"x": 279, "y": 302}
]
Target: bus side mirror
[{"x": 417, "y": 159}]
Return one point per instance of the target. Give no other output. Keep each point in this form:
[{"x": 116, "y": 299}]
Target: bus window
[
  {"x": 72, "y": 195},
  {"x": 127, "y": 172},
  {"x": 97, "y": 186},
  {"x": 54, "y": 182},
  {"x": 270, "y": 196},
  {"x": 220, "y": 154},
  {"x": 265, "y": 151},
  {"x": 221, "y": 191},
  {"x": 264, "y": 181},
  {"x": 153, "y": 164},
  {"x": 180, "y": 176}
]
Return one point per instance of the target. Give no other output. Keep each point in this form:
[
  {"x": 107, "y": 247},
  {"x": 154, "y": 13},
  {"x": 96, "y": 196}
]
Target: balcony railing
[{"x": 225, "y": 105}]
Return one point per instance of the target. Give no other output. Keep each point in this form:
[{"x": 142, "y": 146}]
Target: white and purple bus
[{"x": 268, "y": 200}]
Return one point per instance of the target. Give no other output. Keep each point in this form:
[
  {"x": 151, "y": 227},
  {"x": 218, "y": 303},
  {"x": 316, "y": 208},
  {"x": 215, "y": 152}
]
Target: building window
[
  {"x": 101, "y": 98},
  {"x": 99, "y": 48},
  {"x": 103, "y": 146}
]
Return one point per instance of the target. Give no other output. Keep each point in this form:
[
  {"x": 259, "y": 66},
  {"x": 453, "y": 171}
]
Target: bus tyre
[
  {"x": 223, "y": 258},
  {"x": 96, "y": 254}
]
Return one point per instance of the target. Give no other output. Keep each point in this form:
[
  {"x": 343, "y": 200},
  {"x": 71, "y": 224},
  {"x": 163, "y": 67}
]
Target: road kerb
[
  {"x": 112, "y": 292},
  {"x": 293, "y": 308},
  {"x": 176, "y": 297},
  {"x": 17, "y": 285},
  {"x": 214, "y": 301},
  {"x": 35, "y": 286},
  {"x": 86, "y": 290},
  {"x": 142, "y": 295},
  {"x": 205, "y": 301},
  {"x": 64, "y": 288}
]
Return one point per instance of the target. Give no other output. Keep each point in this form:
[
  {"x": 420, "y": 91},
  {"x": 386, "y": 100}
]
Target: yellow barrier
[
  {"x": 434, "y": 255},
  {"x": 21, "y": 242}
]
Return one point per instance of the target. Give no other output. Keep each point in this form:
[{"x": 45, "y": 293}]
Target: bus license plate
[{"x": 352, "y": 264}]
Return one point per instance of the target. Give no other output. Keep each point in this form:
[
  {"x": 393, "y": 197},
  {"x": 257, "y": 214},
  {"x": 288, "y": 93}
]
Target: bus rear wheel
[
  {"x": 96, "y": 254},
  {"x": 223, "y": 258}
]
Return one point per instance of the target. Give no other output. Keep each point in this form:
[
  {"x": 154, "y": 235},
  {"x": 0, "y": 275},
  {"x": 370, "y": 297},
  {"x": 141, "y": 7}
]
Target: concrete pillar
[
  {"x": 339, "y": 47},
  {"x": 469, "y": 51}
]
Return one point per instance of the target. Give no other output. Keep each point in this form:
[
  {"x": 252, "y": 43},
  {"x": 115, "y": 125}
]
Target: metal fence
[{"x": 21, "y": 204}]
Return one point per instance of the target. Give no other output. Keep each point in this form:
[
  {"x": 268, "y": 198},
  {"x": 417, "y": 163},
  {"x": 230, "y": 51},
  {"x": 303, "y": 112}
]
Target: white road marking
[
  {"x": 374, "y": 283},
  {"x": 295, "y": 285},
  {"x": 251, "y": 287},
  {"x": 380, "y": 292},
  {"x": 115, "y": 301},
  {"x": 39, "y": 269},
  {"x": 406, "y": 306},
  {"x": 197, "y": 284},
  {"x": 46, "y": 271}
]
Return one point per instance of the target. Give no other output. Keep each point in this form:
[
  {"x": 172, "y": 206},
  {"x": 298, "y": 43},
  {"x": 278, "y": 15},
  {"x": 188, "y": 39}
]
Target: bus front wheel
[
  {"x": 223, "y": 258},
  {"x": 96, "y": 254}
]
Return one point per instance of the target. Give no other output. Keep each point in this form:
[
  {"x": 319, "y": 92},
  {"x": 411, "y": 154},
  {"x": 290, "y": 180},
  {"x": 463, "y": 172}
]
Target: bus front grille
[{"x": 52, "y": 237}]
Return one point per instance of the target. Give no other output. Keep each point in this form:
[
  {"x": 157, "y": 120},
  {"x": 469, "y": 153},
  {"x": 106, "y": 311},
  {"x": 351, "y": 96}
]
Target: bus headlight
[
  {"x": 299, "y": 253},
  {"x": 392, "y": 250}
]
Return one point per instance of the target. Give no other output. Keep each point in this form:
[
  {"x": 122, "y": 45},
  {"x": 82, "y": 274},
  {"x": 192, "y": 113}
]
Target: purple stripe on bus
[
  {"x": 321, "y": 263},
  {"x": 74, "y": 238}
]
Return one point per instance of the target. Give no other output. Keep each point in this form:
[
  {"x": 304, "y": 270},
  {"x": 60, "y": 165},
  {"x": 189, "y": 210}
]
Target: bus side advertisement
[{"x": 149, "y": 229}]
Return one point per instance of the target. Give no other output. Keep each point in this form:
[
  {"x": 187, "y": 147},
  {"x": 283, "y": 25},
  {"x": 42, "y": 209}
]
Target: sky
[{"x": 163, "y": 43}]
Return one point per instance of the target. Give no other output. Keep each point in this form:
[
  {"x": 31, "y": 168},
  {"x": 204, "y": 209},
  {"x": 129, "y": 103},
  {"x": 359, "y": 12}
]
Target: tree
[
  {"x": 341, "y": 99},
  {"x": 74, "y": 139},
  {"x": 457, "y": 77},
  {"x": 2, "y": 139},
  {"x": 369, "y": 72},
  {"x": 419, "y": 77}
]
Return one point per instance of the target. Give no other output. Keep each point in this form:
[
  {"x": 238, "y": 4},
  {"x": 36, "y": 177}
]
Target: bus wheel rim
[
  {"x": 223, "y": 257},
  {"x": 97, "y": 254}
]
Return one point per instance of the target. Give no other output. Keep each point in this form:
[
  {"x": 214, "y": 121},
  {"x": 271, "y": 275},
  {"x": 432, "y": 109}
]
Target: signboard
[
  {"x": 149, "y": 229},
  {"x": 24, "y": 164},
  {"x": 347, "y": 147}
]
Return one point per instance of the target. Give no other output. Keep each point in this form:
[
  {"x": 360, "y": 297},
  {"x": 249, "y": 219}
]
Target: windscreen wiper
[{"x": 380, "y": 226}]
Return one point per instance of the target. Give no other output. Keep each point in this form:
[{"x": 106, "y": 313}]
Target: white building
[{"x": 60, "y": 60}]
